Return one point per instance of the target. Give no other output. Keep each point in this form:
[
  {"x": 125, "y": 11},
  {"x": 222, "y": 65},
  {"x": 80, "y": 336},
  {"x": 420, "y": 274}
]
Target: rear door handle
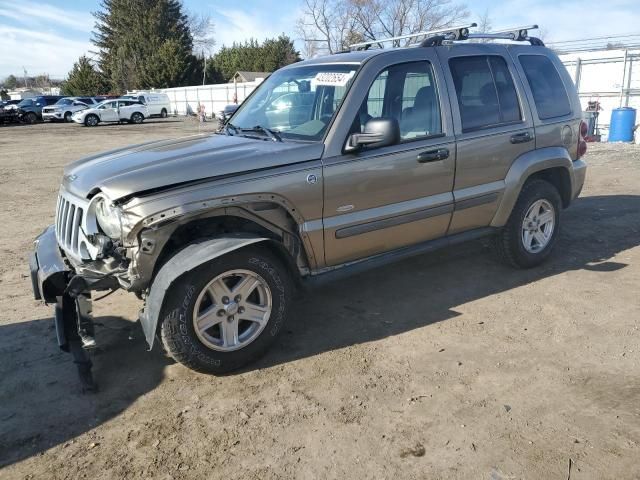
[
  {"x": 433, "y": 155},
  {"x": 521, "y": 137}
]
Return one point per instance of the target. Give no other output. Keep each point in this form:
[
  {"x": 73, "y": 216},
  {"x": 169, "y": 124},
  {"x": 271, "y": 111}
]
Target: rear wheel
[
  {"x": 163, "y": 113},
  {"x": 67, "y": 117},
  {"x": 137, "y": 117},
  {"x": 91, "y": 120},
  {"x": 531, "y": 232},
  {"x": 227, "y": 312}
]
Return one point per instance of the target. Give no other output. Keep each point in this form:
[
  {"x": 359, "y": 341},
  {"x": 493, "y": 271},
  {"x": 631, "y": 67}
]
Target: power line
[{"x": 608, "y": 37}]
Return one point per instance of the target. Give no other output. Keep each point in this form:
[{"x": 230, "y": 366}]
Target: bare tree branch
[
  {"x": 331, "y": 25},
  {"x": 202, "y": 30}
]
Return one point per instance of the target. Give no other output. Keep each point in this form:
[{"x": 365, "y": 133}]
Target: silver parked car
[
  {"x": 387, "y": 153},
  {"x": 118, "y": 110},
  {"x": 64, "y": 108}
]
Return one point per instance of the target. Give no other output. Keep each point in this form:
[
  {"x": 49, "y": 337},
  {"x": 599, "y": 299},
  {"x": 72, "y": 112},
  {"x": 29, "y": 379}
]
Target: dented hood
[{"x": 149, "y": 166}]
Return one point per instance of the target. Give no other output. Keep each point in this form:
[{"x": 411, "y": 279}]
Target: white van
[{"x": 157, "y": 103}]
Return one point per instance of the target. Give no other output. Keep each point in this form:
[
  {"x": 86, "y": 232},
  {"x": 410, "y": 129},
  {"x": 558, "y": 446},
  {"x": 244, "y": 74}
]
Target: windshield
[
  {"x": 297, "y": 102},
  {"x": 65, "y": 101},
  {"x": 27, "y": 102}
]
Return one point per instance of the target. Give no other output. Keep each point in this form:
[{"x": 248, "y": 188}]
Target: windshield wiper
[
  {"x": 272, "y": 134},
  {"x": 230, "y": 126}
]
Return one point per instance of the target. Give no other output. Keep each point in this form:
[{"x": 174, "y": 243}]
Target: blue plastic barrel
[{"x": 622, "y": 123}]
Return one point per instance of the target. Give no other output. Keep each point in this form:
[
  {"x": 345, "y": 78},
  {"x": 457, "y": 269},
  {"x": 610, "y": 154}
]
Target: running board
[{"x": 332, "y": 274}]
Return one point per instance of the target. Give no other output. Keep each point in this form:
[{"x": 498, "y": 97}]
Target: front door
[
  {"x": 109, "y": 112},
  {"x": 385, "y": 198}
]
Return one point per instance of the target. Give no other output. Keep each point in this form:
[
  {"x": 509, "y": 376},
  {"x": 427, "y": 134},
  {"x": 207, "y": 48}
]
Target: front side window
[
  {"x": 486, "y": 93},
  {"x": 406, "y": 92},
  {"x": 297, "y": 102},
  {"x": 547, "y": 88}
]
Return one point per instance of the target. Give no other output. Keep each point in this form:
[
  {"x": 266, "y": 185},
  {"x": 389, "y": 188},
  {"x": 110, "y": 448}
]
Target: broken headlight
[{"x": 108, "y": 217}]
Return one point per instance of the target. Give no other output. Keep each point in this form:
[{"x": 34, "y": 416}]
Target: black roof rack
[{"x": 434, "y": 38}]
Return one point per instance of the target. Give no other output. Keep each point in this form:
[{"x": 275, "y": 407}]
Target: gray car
[
  {"x": 64, "y": 108},
  {"x": 387, "y": 153}
]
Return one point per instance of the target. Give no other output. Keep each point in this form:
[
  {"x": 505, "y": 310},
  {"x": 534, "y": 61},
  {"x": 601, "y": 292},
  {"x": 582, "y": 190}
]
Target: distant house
[{"x": 242, "y": 77}]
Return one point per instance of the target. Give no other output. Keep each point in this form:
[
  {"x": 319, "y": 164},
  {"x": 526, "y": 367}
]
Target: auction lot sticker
[{"x": 336, "y": 79}]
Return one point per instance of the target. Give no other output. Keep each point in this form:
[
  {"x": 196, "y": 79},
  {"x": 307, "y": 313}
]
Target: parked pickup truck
[{"x": 401, "y": 151}]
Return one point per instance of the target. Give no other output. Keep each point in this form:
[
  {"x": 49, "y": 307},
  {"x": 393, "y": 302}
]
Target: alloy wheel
[
  {"x": 232, "y": 310},
  {"x": 538, "y": 226}
]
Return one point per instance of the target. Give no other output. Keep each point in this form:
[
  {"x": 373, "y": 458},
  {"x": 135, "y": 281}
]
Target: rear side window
[
  {"x": 486, "y": 93},
  {"x": 549, "y": 93}
]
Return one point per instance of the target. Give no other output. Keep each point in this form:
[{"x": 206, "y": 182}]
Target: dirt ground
[{"x": 449, "y": 365}]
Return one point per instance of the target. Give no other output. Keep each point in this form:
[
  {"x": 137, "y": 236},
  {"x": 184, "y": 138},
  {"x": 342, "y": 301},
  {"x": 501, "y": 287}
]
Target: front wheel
[
  {"x": 227, "y": 312},
  {"x": 31, "y": 118},
  {"x": 163, "y": 113},
  {"x": 91, "y": 120},
  {"x": 137, "y": 117},
  {"x": 531, "y": 232}
]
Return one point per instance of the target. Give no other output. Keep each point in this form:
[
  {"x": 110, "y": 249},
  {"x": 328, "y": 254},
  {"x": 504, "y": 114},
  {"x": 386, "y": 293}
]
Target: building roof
[{"x": 249, "y": 76}]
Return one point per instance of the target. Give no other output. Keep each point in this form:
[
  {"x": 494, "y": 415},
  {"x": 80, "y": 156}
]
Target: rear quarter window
[{"x": 549, "y": 93}]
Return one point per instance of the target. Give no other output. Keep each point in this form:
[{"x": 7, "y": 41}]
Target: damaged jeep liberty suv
[{"x": 331, "y": 166}]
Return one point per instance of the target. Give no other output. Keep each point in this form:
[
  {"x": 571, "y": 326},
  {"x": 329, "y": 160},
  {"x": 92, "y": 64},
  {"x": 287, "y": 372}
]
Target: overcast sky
[{"x": 47, "y": 36}]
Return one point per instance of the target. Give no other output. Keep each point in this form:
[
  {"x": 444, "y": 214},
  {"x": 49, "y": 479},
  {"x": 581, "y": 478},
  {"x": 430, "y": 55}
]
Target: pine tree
[
  {"x": 84, "y": 79},
  {"x": 11, "y": 82},
  {"x": 251, "y": 56},
  {"x": 144, "y": 44}
]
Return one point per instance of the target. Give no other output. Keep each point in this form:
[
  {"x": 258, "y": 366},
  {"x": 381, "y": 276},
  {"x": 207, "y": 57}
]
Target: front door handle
[
  {"x": 523, "y": 137},
  {"x": 433, "y": 155}
]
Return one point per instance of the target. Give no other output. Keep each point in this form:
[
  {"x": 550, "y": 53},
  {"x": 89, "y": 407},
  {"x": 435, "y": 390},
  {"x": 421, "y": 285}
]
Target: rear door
[
  {"x": 385, "y": 198},
  {"x": 109, "y": 112},
  {"x": 492, "y": 124},
  {"x": 126, "y": 109}
]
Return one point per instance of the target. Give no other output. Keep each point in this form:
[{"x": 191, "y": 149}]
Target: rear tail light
[
  {"x": 582, "y": 144},
  {"x": 584, "y": 129}
]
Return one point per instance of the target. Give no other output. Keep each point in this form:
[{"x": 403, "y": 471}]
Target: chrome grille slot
[{"x": 69, "y": 216}]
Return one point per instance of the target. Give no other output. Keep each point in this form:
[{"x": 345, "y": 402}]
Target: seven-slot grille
[{"x": 68, "y": 220}]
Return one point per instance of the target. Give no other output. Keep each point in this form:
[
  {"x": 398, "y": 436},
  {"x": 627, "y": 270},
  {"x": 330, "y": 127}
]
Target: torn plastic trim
[{"x": 182, "y": 262}]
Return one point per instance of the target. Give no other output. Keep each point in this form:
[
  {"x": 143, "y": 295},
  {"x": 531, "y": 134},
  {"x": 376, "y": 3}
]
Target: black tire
[
  {"x": 91, "y": 120},
  {"x": 67, "y": 117},
  {"x": 137, "y": 117},
  {"x": 509, "y": 244},
  {"x": 177, "y": 331},
  {"x": 163, "y": 113},
  {"x": 31, "y": 118}
]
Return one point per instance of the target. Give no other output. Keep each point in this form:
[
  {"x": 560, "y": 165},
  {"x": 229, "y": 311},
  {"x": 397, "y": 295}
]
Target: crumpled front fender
[{"x": 182, "y": 262}]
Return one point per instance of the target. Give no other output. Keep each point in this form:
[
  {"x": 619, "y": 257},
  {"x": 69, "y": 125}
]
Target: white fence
[
  {"x": 611, "y": 77},
  {"x": 185, "y": 100}
]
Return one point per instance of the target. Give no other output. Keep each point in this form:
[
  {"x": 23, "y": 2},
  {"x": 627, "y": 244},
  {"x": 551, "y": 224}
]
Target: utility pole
[
  {"x": 204, "y": 72},
  {"x": 25, "y": 76}
]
